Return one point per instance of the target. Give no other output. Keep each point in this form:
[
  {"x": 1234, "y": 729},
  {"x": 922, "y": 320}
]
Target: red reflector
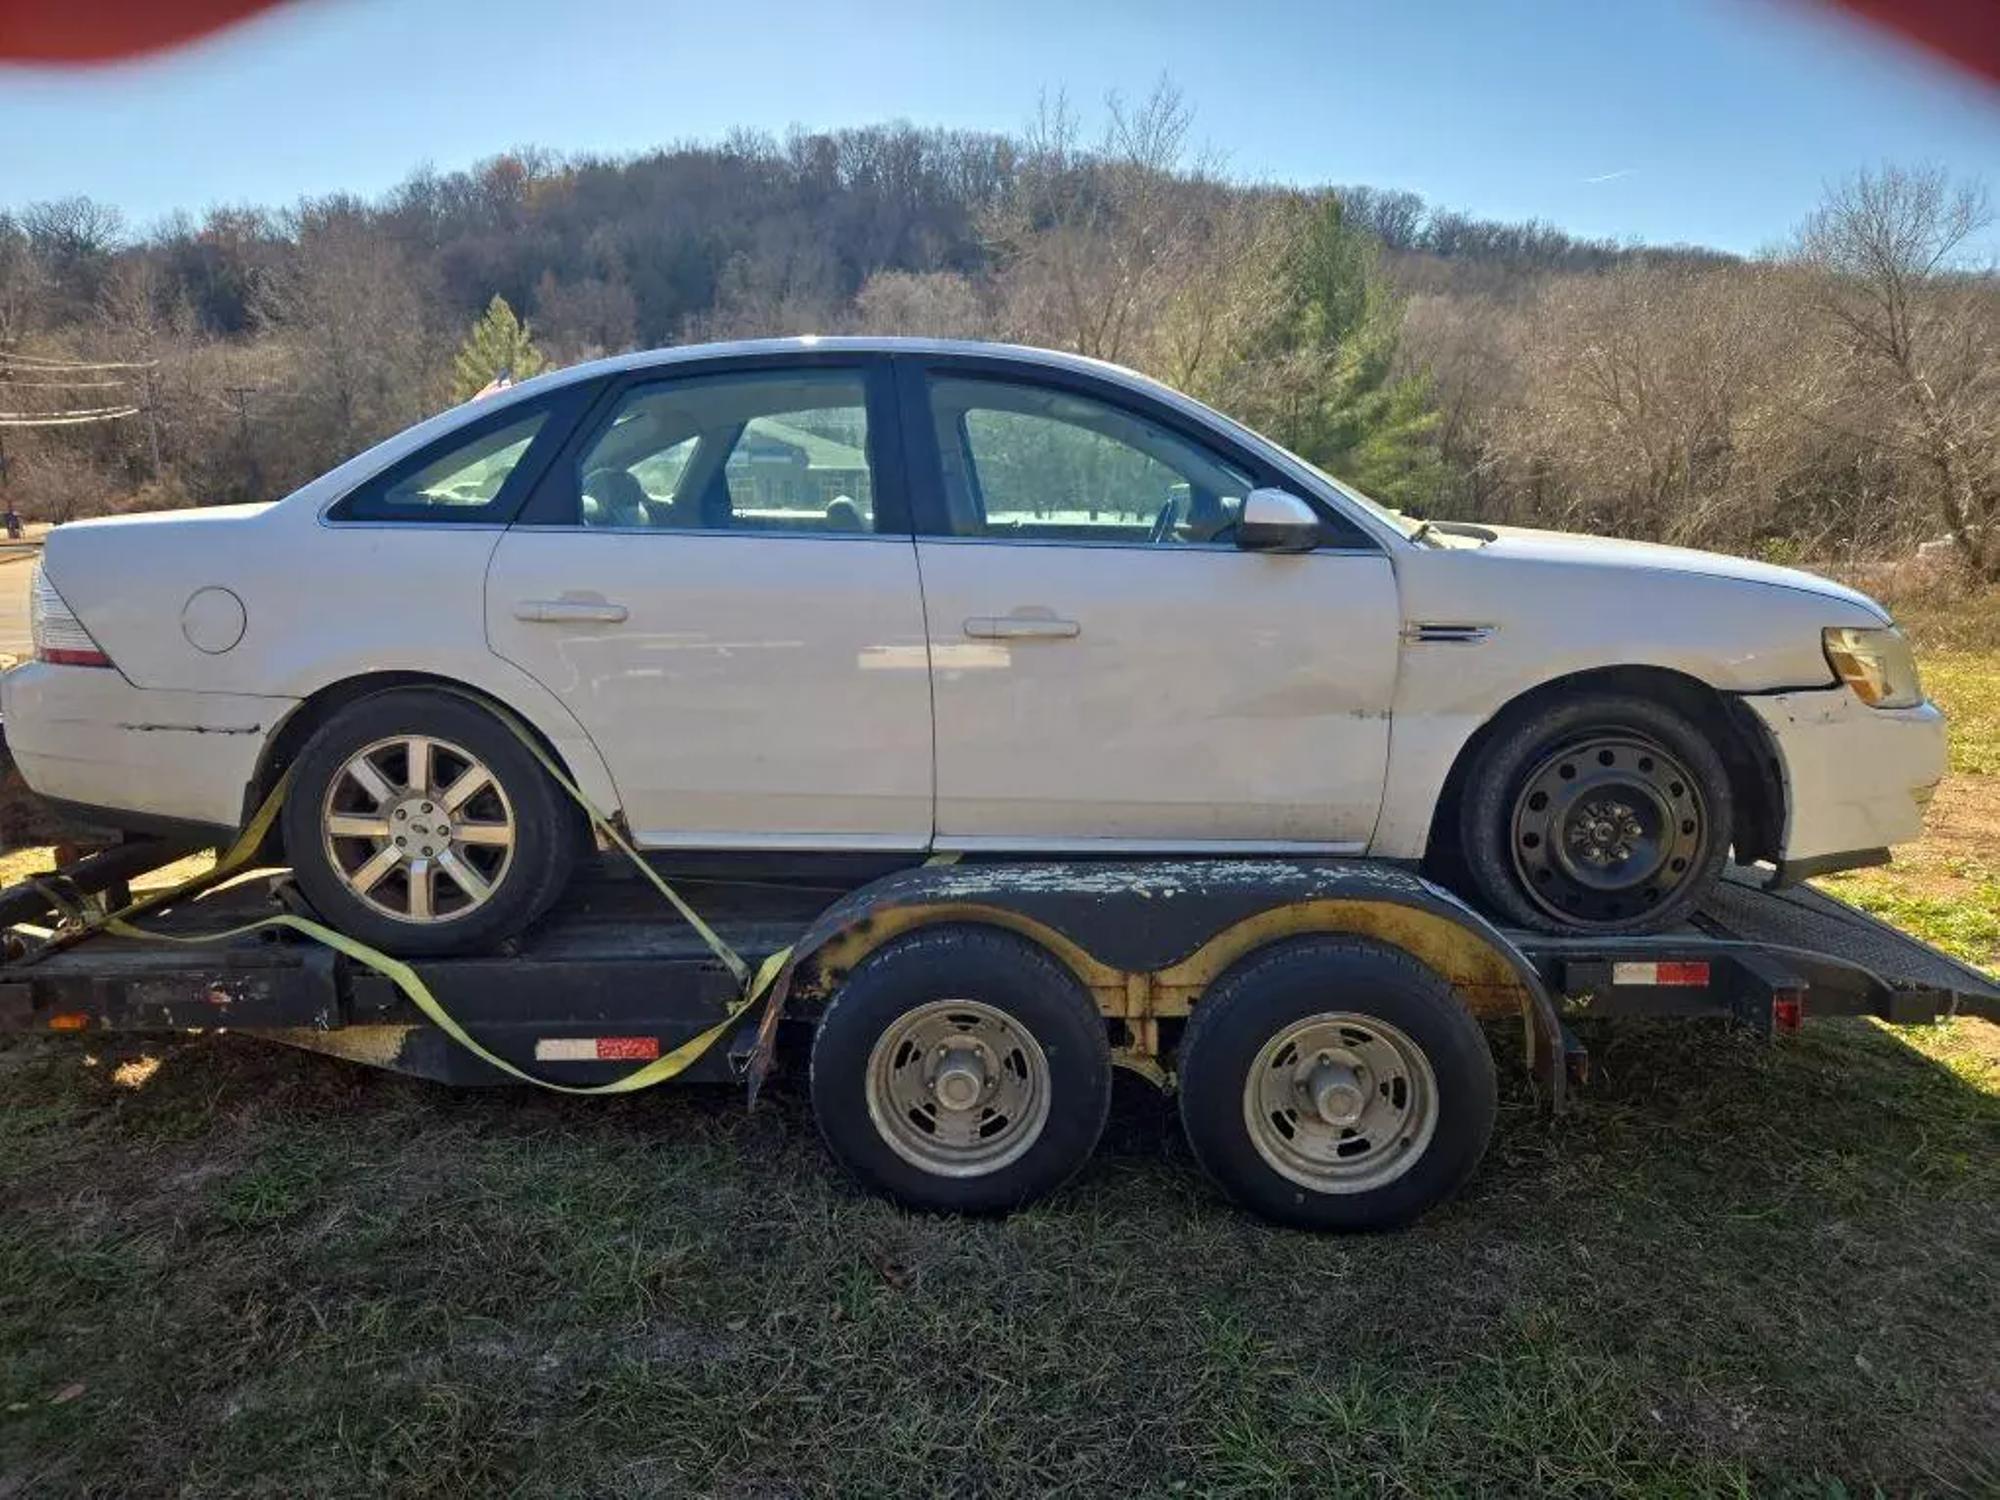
[
  {"x": 64, "y": 656},
  {"x": 1788, "y": 1010},
  {"x": 69, "y": 1020},
  {"x": 1670, "y": 975},
  {"x": 627, "y": 1048}
]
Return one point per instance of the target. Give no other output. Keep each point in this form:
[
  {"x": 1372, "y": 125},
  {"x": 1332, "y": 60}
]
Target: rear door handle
[
  {"x": 1020, "y": 628},
  {"x": 569, "y": 611}
]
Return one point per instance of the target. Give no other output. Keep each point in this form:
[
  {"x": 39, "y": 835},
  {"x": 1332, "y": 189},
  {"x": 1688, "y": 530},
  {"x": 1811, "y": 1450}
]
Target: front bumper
[
  {"x": 86, "y": 736},
  {"x": 1856, "y": 778}
]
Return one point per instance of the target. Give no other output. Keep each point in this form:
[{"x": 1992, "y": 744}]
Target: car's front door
[
  {"x": 718, "y": 578},
  {"x": 1108, "y": 668}
]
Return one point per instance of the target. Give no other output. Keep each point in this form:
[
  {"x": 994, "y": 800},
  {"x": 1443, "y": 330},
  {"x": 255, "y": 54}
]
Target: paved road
[{"x": 15, "y": 571}]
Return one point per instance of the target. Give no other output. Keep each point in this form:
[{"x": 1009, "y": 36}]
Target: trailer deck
[{"x": 609, "y": 977}]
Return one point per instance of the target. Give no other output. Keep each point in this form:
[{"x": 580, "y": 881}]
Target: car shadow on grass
[{"x": 1731, "y": 1265}]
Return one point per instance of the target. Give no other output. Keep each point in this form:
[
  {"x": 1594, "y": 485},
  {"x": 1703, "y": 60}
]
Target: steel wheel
[
  {"x": 418, "y": 828},
  {"x": 1340, "y": 1102},
  {"x": 1606, "y": 829},
  {"x": 958, "y": 1088}
]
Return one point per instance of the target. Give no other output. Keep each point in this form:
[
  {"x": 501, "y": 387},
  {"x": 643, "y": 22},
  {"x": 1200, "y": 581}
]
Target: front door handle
[
  {"x": 570, "y": 611},
  {"x": 1021, "y": 628}
]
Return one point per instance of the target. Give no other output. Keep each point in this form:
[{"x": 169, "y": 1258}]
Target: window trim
[
  {"x": 556, "y": 504},
  {"x": 559, "y": 410},
  {"x": 914, "y": 373}
]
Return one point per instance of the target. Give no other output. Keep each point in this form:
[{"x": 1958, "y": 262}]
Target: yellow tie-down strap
[{"x": 752, "y": 984}]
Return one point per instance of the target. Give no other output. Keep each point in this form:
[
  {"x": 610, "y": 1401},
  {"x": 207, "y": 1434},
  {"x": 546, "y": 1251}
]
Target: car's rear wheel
[
  {"x": 1602, "y": 814},
  {"x": 421, "y": 825}
]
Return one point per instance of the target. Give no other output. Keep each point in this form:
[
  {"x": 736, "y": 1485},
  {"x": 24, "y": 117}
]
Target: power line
[
  {"x": 38, "y": 365},
  {"x": 66, "y": 418},
  {"x": 9, "y": 382}
]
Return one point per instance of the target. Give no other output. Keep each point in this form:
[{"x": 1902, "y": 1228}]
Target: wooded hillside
[{"x": 1837, "y": 398}]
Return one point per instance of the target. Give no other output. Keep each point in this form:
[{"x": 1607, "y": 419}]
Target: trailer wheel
[
  {"x": 1333, "y": 1083},
  {"x": 960, "y": 1069}
]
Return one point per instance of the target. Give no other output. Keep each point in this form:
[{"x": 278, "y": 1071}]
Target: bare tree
[
  {"x": 1091, "y": 240},
  {"x": 1921, "y": 332}
]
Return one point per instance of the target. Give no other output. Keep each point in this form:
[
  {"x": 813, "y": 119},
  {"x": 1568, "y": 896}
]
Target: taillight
[{"x": 58, "y": 635}]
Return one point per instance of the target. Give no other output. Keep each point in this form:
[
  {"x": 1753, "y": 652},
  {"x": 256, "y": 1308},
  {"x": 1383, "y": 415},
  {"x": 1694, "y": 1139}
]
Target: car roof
[{"x": 749, "y": 349}]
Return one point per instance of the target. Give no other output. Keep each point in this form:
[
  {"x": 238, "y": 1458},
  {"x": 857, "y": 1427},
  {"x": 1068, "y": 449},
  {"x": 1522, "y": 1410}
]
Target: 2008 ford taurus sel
[{"x": 900, "y": 595}]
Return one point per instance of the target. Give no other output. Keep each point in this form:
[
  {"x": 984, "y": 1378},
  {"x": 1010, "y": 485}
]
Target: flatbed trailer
[{"x": 610, "y": 980}]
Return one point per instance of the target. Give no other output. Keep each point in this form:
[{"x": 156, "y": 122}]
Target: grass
[
  {"x": 1946, "y": 889},
  {"x": 226, "y": 1268},
  {"x": 1733, "y": 1268}
]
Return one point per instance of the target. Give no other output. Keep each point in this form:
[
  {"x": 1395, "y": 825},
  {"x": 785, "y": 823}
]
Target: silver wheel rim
[
  {"x": 957, "y": 1088},
  {"x": 418, "y": 829},
  {"x": 1340, "y": 1103}
]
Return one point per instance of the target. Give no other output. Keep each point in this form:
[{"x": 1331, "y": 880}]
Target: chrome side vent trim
[{"x": 1444, "y": 633}]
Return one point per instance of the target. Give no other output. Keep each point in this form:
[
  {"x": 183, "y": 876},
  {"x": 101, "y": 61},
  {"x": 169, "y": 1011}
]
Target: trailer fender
[{"x": 1147, "y": 939}]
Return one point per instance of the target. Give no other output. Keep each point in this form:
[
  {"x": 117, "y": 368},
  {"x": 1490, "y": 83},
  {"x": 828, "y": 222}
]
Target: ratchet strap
[{"x": 752, "y": 985}]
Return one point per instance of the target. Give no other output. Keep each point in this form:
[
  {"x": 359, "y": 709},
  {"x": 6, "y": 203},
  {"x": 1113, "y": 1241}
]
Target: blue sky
[{"x": 1712, "y": 121}]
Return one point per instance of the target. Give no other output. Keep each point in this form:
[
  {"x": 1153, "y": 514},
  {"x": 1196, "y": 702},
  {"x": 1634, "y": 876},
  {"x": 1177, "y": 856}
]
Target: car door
[
  {"x": 718, "y": 578},
  {"x": 1108, "y": 668}
]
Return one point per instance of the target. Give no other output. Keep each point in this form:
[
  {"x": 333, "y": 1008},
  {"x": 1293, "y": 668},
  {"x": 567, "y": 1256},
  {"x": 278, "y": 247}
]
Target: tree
[
  {"x": 1920, "y": 332},
  {"x": 498, "y": 345},
  {"x": 1327, "y": 384}
]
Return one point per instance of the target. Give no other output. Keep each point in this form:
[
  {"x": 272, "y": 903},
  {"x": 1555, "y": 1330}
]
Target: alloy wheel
[{"x": 418, "y": 828}]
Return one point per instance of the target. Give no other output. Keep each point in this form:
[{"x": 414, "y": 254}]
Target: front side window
[
  {"x": 1037, "y": 463},
  {"x": 456, "y": 480},
  {"x": 776, "y": 451}
]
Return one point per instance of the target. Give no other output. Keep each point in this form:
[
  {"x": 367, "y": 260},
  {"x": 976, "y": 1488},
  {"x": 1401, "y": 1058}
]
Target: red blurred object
[
  {"x": 1965, "y": 31},
  {"x": 1788, "y": 1011},
  {"x": 87, "y": 31}
]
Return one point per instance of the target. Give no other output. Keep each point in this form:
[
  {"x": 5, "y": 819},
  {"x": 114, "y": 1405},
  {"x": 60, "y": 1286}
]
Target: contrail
[{"x": 1614, "y": 176}]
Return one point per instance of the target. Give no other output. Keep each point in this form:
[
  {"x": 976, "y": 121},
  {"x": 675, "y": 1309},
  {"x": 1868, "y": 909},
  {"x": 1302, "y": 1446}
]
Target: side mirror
[{"x": 1276, "y": 521}]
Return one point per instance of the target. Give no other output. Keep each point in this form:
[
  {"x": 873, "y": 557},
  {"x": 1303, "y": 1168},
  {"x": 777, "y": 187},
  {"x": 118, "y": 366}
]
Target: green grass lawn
[
  {"x": 1735, "y": 1268},
  {"x": 1946, "y": 890}
]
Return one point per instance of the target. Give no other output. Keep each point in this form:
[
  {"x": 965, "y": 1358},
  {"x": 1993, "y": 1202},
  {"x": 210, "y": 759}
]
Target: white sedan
[{"x": 903, "y": 596}]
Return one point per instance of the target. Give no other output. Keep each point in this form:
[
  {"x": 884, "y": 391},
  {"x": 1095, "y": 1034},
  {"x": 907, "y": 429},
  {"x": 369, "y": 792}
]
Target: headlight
[{"x": 1877, "y": 664}]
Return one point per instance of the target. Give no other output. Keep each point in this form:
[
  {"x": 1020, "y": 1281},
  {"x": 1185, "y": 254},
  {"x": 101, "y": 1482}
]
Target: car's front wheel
[
  {"x": 420, "y": 824},
  {"x": 1599, "y": 814}
]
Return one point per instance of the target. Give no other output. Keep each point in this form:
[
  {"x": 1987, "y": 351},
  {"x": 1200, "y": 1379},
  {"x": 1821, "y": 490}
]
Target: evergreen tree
[
  {"x": 499, "y": 344},
  {"x": 1343, "y": 406}
]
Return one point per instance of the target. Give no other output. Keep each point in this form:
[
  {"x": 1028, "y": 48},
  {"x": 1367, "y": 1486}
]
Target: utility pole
[
  {"x": 240, "y": 396},
  {"x": 153, "y": 418}
]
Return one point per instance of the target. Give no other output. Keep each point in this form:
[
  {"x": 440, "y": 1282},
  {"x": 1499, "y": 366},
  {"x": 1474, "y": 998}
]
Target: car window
[
  {"x": 453, "y": 481},
  {"x": 780, "y": 451},
  {"x": 1037, "y": 463}
]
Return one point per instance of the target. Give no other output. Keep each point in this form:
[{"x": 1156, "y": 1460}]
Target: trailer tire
[
  {"x": 519, "y": 803},
  {"x": 960, "y": 1069},
  {"x": 1312, "y": 1044}
]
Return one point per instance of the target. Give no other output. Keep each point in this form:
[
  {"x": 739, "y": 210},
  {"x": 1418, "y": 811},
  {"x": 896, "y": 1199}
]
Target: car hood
[{"x": 1561, "y": 547}]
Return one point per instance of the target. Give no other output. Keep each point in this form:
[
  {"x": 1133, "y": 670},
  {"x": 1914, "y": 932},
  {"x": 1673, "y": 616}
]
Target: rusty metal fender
[{"x": 1147, "y": 938}]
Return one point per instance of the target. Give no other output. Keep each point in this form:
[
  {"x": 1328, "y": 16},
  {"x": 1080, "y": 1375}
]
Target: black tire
[
  {"x": 548, "y": 831},
  {"x": 1644, "y": 868},
  {"x": 993, "y": 969},
  {"x": 1289, "y": 984}
]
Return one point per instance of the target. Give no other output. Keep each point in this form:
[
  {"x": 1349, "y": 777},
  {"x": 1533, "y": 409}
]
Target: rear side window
[
  {"x": 779, "y": 451},
  {"x": 473, "y": 475}
]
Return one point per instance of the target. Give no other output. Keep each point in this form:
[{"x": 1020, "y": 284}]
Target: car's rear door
[
  {"x": 718, "y": 578},
  {"x": 1108, "y": 669}
]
